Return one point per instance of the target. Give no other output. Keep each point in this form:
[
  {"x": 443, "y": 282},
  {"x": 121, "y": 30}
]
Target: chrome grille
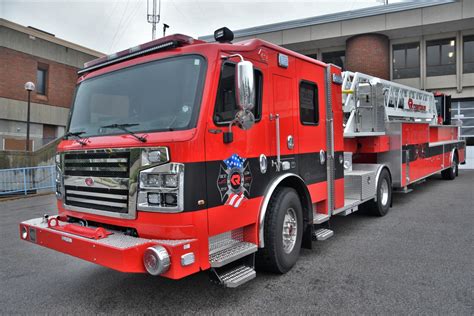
[
  {"x": 97, "y": 181},
  {"x": 102, "y": 164}
]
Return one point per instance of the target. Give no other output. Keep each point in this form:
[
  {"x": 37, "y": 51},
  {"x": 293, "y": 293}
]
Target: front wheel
[
  {"x": 384, "y": 195},
  {"x": 283, "y": 232}
]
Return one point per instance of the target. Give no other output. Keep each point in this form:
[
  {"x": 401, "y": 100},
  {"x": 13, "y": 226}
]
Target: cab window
[
  {"x": 309, "y": 109},
  {"x": 226, "y": 105}
]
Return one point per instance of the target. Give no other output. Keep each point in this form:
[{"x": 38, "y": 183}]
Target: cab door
[
  {"x": 311, "y": 130},
  {"x": 233, "y": 174}
]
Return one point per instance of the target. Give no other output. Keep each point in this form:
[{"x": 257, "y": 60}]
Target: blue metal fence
[{"x": 27, "y": 180}]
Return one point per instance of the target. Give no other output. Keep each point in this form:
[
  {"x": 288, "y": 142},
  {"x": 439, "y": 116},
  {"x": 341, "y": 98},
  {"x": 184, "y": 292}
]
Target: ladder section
[{"x": 369, "y": 102}]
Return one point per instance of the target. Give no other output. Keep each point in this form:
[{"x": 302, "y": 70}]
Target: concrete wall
[
  {"x": 13, "y": 115},
  {"x": 40, "y": 113},
  {"x": 19, "y": 159}
]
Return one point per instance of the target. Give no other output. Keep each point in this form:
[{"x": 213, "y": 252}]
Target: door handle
[
  {"x": 290, "y": 142},
  {"x": 322, "y": 157}
]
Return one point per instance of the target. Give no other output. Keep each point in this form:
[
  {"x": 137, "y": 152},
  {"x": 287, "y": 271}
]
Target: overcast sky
[{"x": 109, "y": 26}]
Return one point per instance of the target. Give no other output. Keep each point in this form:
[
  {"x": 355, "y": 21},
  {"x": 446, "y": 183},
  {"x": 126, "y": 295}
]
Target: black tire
[
  {"x": 452, "y": 172},
  {"x": 273, "y": 257},
  {"x": 382, "y": 206}
]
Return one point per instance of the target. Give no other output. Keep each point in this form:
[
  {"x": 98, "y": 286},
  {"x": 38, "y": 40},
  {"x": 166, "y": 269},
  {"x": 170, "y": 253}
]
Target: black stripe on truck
[
  {"x": 421, "y": 151},
  {"x": 200, "y": 178}
]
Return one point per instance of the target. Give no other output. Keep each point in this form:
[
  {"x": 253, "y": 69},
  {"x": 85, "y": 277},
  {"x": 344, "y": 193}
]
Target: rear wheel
[
  {"x": 452, "y": 172},
  {"x": 384, "y": 195},
  {"x": 283, "y": 232}
]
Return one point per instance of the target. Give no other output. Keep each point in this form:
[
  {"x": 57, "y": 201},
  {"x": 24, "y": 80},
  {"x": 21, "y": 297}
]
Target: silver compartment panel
[{"x": 359, "y": 184}]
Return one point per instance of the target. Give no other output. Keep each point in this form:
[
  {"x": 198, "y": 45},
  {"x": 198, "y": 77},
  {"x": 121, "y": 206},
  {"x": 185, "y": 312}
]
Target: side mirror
[
  {"x": 245, "y": 98},
  {"x": 245, "y": 85}
]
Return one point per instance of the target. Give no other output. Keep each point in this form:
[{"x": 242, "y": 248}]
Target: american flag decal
[
  {"x": 234, "y": 161},
  {"x": 235, "y": 199},
  {"x": 234, "y": 181}
]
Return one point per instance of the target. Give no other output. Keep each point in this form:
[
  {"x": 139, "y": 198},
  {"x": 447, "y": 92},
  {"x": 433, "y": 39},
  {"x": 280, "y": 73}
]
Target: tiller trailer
[{"x": 184, "y": 156}]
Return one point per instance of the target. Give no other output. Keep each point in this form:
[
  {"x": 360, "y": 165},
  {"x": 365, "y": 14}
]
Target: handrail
[{"x": 26, "y": 180}]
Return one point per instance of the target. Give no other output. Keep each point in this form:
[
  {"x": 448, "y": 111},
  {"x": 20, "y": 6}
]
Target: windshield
[{"x": 161, "y": 95}]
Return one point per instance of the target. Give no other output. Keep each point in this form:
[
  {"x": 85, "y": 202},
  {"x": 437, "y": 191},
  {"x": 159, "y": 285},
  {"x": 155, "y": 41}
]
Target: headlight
[
  {"x": 151, "y": 156},
  {"x": 154, "y": 198},
  {"x": 161, "y": 188},
  {"x": 152, "y": 180},
  {"x": 160, "y": 180},
  {"x": 170, "y": 180}
]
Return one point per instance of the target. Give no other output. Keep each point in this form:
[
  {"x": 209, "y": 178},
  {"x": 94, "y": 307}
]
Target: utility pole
[{"x": 152, "y": 16}]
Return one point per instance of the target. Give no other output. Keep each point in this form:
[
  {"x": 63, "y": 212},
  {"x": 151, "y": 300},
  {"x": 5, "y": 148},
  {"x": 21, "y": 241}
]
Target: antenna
[
  {"x": 165, "y": 26},
  {"x": 152, "y": 16}
]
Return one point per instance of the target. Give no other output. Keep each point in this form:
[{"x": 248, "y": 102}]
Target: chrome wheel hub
[
  {"x": 290, "y": 230},
  {"x": 384, "y": 192}
]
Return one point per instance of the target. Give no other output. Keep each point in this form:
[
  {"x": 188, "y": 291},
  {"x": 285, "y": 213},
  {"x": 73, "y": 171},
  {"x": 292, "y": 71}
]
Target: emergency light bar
[{"x": 171, "y": 41}]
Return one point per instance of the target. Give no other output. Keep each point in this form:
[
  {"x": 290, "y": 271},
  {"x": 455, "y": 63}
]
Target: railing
[{"x": 27, "y": 180}]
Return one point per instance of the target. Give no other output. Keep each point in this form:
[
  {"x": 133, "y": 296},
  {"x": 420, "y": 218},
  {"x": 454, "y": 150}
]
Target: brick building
[{"x": 29, "y": 54}]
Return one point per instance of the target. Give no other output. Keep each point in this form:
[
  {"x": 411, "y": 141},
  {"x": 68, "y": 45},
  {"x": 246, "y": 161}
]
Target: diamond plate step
[
  {"x": 319, "y": 218},
  {"x": 237, "y": 276},
  {"x": 228, "y": 255},
  {"x": 323, "y": 234}
]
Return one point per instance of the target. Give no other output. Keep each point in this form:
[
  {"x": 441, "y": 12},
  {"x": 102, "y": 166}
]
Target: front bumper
[{"x": 116, "y": 251}]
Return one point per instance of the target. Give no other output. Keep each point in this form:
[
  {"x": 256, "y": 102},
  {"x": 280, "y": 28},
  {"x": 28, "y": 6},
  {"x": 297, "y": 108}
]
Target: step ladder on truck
[{"x": 228, "y": 156}]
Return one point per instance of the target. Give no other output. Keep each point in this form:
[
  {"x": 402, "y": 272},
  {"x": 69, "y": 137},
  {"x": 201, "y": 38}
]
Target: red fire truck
[{"x": 183, "y": 155}]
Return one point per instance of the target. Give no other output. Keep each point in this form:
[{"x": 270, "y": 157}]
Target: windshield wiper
[
  {"x": 124, "y": 128},
  {"x": 76, "y": 136}
]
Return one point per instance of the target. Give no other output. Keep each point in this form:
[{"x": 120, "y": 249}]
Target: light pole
[{"x": 29, "y": 86}]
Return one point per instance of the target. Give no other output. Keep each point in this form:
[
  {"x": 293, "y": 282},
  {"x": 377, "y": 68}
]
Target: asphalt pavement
[{"x": 416, "y": 260}]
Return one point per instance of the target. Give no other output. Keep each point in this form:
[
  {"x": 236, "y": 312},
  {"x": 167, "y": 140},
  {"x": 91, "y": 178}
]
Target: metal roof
[{"x": 335, "y": 17}]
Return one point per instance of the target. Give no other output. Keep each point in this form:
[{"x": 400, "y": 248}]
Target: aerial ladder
[{"x": 370, "y": 102}]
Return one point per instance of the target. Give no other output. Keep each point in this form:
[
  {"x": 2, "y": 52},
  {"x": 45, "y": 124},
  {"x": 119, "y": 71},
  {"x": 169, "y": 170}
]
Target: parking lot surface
[{"x": 417, "y": 259}]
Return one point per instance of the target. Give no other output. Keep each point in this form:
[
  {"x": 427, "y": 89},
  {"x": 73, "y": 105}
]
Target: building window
[
  {"x": 336, "y": 58},
  {"x": 41, "y": 78},
  {"x": 309, "y": 109},
  {"x": 406, "y": 61},
  {"x": 441, "y": 57},
  {"x": 226, "y": 103},
  {"x": 314, "y": 56},
  {"x": 468, "y": 53}
]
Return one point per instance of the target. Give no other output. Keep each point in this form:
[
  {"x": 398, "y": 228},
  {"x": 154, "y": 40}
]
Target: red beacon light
[{"x": 167, "y": 42}]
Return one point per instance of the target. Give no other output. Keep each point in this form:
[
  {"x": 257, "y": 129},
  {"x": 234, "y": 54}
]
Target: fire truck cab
[{"x": 184, "y": 156}]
